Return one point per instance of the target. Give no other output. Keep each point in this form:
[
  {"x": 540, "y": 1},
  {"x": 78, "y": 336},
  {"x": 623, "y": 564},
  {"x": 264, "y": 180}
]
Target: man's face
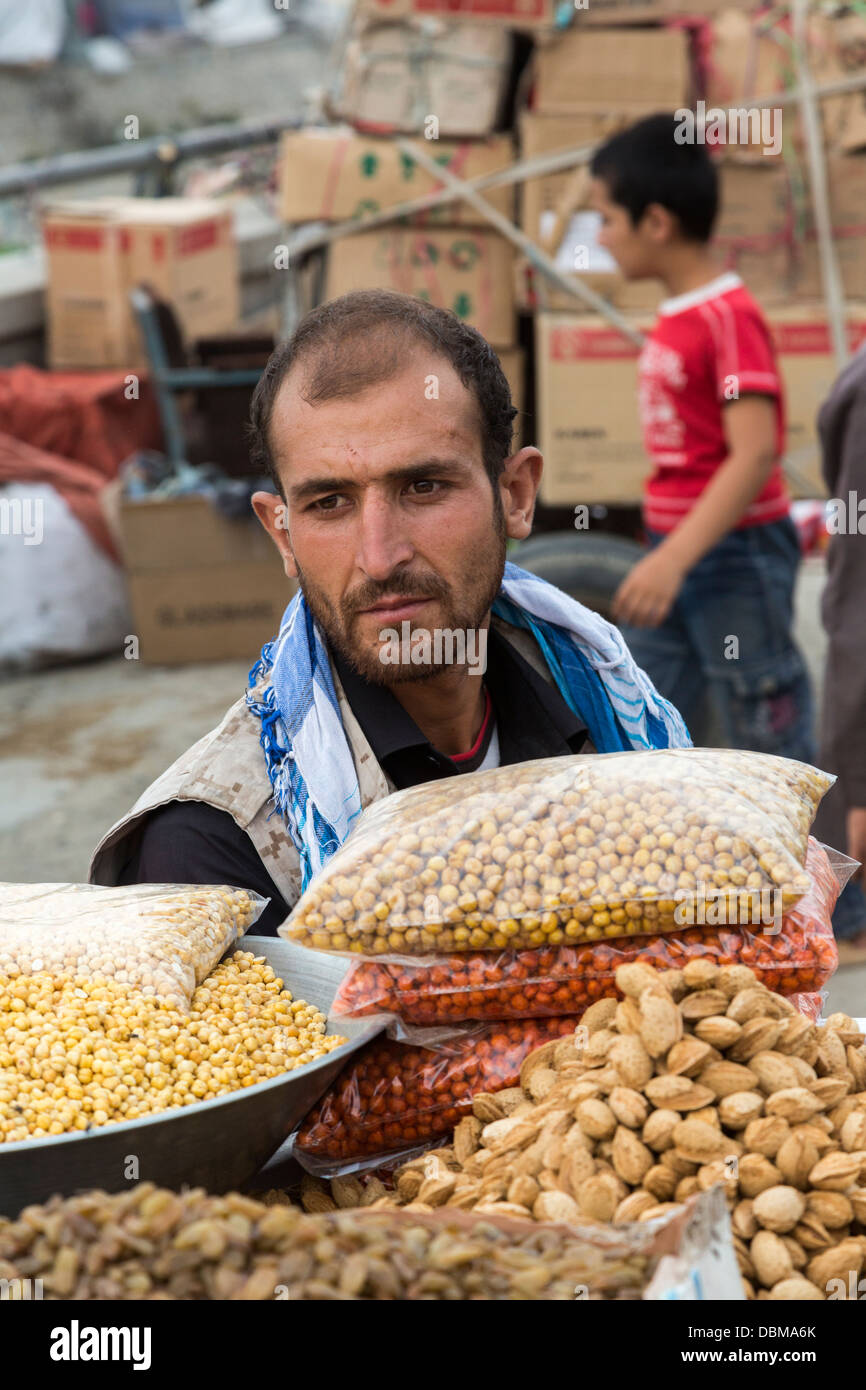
[
  {"x": 631, "y": 247},
  {"x": 390, "y": 516}
]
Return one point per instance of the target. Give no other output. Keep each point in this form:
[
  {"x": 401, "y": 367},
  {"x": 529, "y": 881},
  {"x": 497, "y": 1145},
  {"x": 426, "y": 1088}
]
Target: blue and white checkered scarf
[{"x": 308, "y": 757}]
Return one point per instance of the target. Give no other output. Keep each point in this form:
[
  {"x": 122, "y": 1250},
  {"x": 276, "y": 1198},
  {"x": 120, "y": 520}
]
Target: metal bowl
[{"x": 218, "y": 1144}]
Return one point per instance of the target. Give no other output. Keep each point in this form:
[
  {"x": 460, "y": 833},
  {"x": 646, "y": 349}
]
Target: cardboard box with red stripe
[
  {"x": 98, "y": 249},
  {"x": 519, "y": 14},
  {"x": 587, "y": 424}
]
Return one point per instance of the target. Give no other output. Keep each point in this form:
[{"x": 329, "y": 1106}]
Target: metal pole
[
  {"x": 840, "y": 86},
  {"x": 830, "y": 277},
  {"x": 134, "y": 155},
  {"x": 308, "y": 238},
  {"x": 536, "y": 256}
]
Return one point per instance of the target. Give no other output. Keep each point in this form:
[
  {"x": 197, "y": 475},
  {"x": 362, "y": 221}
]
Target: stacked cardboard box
[
  {"x": 809, "y": 368},
  {"x": 202, "y": 588},
  {"x": 754, "y": 228},
  {"x": 607, "y": 12},
  {"x": 846, "y": 177},
  {"x": 519, "y": 14},
  {"x": 747, "y": 60},
  {"x": 751, "y": 56},
  {"x": 588, "y": 427},
  {"x": 328, "y": 173},
  {"x": 464, "y": 269},
  {"x": 406, "y": 72},
  {"x": 589, "y": 82},
  {"x": 98, "y": 249},
  {"x": 628, "y": 71},
  {"x": 449, "y": 256},
  {"x": 418, "y": 75},
  {"x": 589, "y": 430},
  {"x": 587, "y": 418}
]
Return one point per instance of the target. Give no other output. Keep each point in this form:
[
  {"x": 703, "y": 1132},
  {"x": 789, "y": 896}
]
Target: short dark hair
[
  {"x": 358, "y": 340},
  {"x": 645, "y": 164}
]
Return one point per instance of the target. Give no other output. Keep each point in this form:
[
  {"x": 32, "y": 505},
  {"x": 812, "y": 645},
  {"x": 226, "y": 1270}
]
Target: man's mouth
[{"x": 395, "y": 608}]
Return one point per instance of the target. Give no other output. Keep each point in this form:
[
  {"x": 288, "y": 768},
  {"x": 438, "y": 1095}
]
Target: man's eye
[
  {"x": 425, "y": 487},
  {"x": 328, "y": 504}
]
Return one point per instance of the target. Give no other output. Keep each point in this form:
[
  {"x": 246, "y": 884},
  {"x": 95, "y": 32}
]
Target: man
[
  {"x": 386, "y": 424},
  {"x": 841, "y": 817}
]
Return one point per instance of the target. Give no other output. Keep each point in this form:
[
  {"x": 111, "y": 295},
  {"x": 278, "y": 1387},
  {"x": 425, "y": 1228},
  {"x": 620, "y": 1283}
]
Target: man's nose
[{"x": 382, "y": 544}]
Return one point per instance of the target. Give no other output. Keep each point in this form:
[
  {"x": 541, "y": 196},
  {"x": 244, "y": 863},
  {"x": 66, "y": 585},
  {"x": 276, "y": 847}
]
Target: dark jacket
[{"x": 842, "y": 430}]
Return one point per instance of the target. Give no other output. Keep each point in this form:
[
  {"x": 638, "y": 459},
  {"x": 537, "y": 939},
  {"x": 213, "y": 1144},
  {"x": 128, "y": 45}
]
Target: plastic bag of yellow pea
[
  {"x": 160, "y": 939},
  {"x": 565, "y": 850},
  {"x": 77, "y": 1053}
]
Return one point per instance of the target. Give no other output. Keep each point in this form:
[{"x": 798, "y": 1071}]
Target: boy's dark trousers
[{"x": 730, "y": 634}]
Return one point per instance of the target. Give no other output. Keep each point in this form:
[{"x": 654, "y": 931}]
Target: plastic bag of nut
[
  {"x": 150, "y": 1243},
  {"x": 551, "y": 980},
  {"x": 159, "y": 939},
  {"x": 392, "y": 1098},
  {"x": 561, "y": 850}
]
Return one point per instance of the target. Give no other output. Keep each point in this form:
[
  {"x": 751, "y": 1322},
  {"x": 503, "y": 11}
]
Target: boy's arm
[{"x": 648, "y": 592}]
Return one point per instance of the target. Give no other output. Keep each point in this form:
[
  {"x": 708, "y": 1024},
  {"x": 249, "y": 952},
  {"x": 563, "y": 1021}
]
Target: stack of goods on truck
[
  {"x": 717, "y": 61},
  {"x": 480, "y": 82},
  {"x": 440, "y": 74},
  {"x": 496, "y": 910},
  {"x": 448, "y": 256}
]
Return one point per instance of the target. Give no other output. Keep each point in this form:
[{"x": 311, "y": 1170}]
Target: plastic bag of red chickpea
[
  {"x": 798, "y": 958},
  {"x": 392, "y": 1097},
  {"x": 811, "y": 1006},
  {"x": 559, "y": 851}
]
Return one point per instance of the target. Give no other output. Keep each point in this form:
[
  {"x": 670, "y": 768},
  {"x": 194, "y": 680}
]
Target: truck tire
[{"x": 588, "y": 567}]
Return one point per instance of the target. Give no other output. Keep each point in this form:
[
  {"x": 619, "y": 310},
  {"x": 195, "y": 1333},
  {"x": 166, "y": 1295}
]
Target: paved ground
[{"x": 78, "y": 745}]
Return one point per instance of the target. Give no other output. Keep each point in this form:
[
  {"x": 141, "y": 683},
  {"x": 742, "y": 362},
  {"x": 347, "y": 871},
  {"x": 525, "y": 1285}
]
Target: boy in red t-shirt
[{"x": 711, "y": 605}]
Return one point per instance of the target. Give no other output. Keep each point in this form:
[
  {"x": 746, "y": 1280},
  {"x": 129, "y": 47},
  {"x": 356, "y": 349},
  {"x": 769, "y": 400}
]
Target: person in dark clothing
[{"x": 841, "y": 817}]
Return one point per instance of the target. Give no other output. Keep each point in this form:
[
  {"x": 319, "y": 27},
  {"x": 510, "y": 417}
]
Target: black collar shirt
[
  {"x": 532, "y": 719},
  {"x": 194, "y": 842}
]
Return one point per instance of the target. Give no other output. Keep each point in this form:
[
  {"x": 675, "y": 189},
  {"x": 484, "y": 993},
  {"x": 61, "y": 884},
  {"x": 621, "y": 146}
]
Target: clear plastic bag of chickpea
[
  {"x": 159, "y": 939},
  {"x": 570, "y": 849}
]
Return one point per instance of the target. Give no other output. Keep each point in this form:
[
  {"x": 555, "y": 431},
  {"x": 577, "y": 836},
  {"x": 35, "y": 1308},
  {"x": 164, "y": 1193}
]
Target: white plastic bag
[
  {"x": 159, "y": 939},
  {"x": 31, "y": 33},
  {"x": 61, "y": 598}
]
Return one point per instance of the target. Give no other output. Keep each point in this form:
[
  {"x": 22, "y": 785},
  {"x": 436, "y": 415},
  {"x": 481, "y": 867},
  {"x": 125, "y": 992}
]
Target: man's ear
[
  {"x": 660, "y": 224},
  {"x": 273, "y": 513},
  {"x": 518, "y": 483}
]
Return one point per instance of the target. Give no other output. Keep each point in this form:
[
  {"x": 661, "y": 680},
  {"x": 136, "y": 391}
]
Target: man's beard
[{"x": 463, "y": 607}]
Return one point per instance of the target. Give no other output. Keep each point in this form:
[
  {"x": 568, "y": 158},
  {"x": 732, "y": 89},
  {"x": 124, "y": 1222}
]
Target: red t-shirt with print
[{"x": 707, "y": 347}]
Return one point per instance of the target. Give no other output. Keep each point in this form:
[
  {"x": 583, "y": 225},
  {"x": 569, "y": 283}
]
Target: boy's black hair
[{"x": 645, "y": 164}]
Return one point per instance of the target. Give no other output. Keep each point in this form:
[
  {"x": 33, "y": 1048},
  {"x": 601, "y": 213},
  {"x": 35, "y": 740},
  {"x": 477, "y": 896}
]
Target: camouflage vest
[{"x": 226, "y": 769}]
